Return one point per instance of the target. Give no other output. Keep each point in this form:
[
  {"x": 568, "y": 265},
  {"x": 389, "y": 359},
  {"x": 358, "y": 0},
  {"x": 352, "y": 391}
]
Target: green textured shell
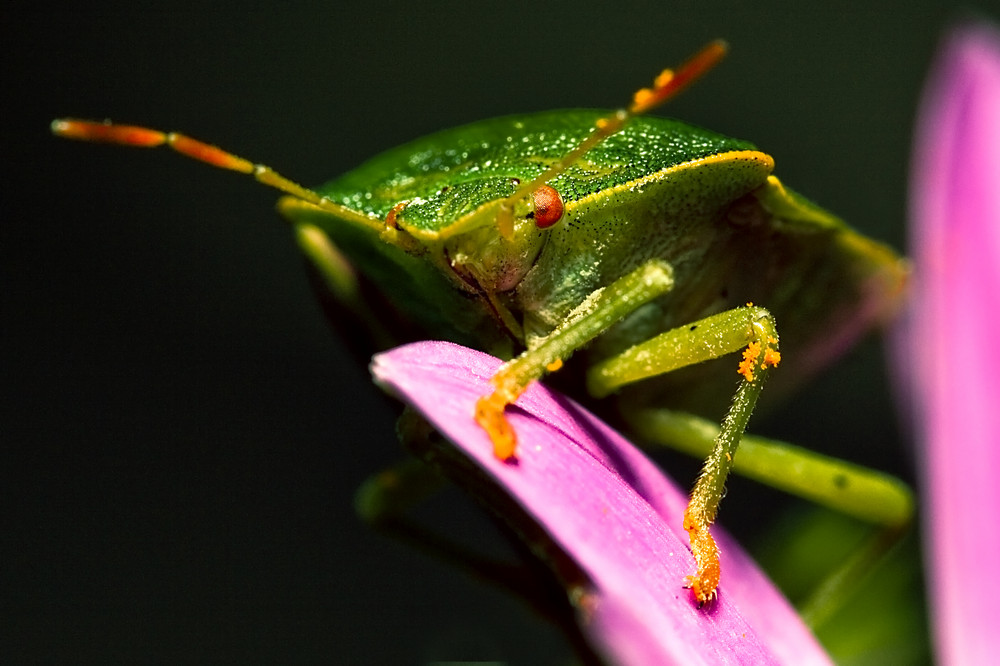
[
  {"x": 731, "y": 235},
  {"x": 453, "y": 172}
]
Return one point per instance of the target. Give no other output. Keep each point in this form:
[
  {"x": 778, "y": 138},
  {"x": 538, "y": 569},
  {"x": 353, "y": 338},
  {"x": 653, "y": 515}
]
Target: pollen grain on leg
[
  {"x": 772, "y": 356},
  {"x": 750, "y": 356}
]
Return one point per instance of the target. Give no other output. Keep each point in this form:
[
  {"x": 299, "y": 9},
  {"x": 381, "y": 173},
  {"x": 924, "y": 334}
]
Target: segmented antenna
[
  {"x": 144, "y": 137},
  {"x": 667, "y": 85}
]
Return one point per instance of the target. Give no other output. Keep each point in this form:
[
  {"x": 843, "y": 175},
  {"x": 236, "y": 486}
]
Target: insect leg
[
  {"x": 334, "y": 268},
  {"x": 749, "y": 328},
  {"x": 353, "y": 303},
  {"x": 338, "y": 287},
  {"x": 863, "y": 493},
  {"x": 387, "y": 500},
  {"x": 599, "y": 312},
  {"x": 868, "y": 495}
]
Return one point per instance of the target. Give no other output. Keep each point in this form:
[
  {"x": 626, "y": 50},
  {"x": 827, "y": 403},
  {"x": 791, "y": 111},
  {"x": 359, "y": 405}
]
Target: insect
[{"x": 633, "y": 250}]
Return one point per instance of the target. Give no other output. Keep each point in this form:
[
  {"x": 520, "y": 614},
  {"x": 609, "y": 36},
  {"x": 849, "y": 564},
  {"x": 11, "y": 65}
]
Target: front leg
[
  {"x": 603, "y": 309},
  {"x": 748, "y": 328}
]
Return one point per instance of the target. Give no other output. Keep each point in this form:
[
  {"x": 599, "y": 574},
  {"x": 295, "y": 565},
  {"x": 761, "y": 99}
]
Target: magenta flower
[
  {"x": 603, "y": 505},
  {"x": 950, "y": 343}
]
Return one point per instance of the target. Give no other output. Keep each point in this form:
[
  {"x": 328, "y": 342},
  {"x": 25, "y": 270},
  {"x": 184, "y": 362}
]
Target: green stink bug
[{"x": 638, "y": 246}]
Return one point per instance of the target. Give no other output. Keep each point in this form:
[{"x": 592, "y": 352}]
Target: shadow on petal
[{"x": 593, "y": 498}]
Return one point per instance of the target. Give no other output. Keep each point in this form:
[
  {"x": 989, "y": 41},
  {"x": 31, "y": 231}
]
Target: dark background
[{"x": 181, "y": 433}]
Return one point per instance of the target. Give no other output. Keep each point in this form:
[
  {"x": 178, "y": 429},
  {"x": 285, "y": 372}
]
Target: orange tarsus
[
  {"x": 704, "y": 584},
  {"x": 490, "y": 417}
]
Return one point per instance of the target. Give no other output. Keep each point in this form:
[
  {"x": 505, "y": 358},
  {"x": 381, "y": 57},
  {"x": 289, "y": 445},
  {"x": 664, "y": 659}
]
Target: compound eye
[{"x": 548, "y": 206}]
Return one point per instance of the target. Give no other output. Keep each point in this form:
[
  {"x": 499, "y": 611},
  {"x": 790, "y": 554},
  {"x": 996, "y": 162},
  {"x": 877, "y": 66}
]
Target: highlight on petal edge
[
  {"x": 601, "y": 503},
  {"x": 947, "y": 349}
]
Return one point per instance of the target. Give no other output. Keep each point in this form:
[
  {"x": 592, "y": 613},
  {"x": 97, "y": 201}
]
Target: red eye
[{"x": 548, "y": 206}]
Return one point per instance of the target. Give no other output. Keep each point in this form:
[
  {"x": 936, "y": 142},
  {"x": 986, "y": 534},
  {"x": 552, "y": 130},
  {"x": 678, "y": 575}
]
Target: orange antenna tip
[
  {"x": 669, "y": 83},
  {"x": 129, "y": 135}
]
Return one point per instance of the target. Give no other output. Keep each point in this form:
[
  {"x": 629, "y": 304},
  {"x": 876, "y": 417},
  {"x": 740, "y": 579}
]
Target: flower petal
[
  {"x": 603, "y": 504},
  {"x": 952, "y": 346}
]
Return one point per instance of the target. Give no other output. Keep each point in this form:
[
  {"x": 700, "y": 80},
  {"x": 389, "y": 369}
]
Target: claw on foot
[{"x": 704, "y": 584}]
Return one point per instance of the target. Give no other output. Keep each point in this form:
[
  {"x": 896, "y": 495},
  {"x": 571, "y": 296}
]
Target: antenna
[
  {"x": 144, "y": 137},
  {"x": 668, "y": 84}
]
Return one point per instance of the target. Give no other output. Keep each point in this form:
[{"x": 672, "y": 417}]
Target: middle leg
[{"x": 748, "y": 328}]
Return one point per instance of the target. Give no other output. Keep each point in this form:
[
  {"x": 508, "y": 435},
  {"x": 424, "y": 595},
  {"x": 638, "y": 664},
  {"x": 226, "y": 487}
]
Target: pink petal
[
  {"x": 606, "y": 506},
  {"x": 954, "y": 339}
]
